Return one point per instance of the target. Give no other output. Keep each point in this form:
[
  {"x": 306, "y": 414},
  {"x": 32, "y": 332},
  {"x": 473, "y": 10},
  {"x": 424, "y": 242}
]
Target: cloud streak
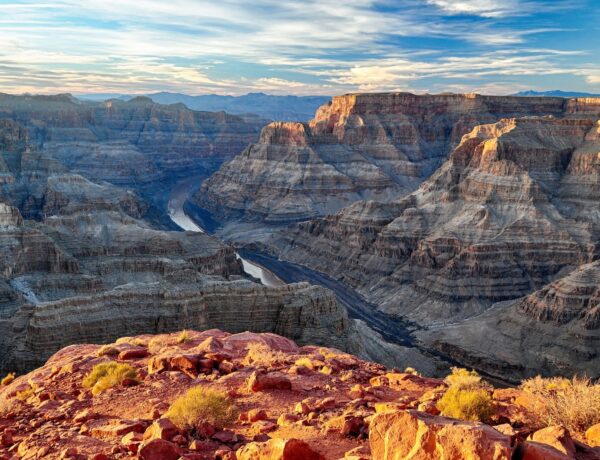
[{"x": 285, "y": 46}]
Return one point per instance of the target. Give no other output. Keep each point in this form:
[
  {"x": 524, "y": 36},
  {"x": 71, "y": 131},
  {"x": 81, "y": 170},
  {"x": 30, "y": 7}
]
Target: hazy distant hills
[
  {"x": 284, "y": 108},
  {"x": 554, "y": 93}
]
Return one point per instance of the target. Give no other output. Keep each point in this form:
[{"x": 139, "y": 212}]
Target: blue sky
[{"x": 299, "y": 47}]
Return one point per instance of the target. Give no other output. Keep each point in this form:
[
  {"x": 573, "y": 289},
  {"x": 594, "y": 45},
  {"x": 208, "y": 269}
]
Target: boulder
[
  {"x": 399, "y": 435},
  {"x": 162, "y": 428},
  {"x": 158, "y": 449},
  {"x": 273, "y": 381},
  {"x": 278, "y": 449},
  {"x": 530, "y": 450},
  {"x": 557, "y": 437}
]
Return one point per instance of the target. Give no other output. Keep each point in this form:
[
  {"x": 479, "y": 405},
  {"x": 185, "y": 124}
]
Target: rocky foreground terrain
[
  {"x": 275, "y": 400},
  {"x": 358, "y": 146},
  {"x": 495, "y": 255}
]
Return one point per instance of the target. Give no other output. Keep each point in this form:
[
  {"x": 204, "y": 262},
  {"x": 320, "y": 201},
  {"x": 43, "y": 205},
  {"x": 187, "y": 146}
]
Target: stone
[
  {"x": 592, "y": 435},
  {"x": 393, "y": 436},
  {"x": 557, "y": 437},
  {"x": 162, "y": 428},
  {"x": 133, "y": 353},
  {"x": 273, "y": 381},
  {"x": 530, "y": 450},
  {"x": 158, "y": 449},
  {"x": 255, "y": 415},
  {"x": 278, "y": 449}
]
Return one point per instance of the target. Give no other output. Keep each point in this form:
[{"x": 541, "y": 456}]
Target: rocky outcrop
[
  {"x": 312, "y": 403},
  {"x": 359, "y": 146},
  {"x": 512, "y": 210}
]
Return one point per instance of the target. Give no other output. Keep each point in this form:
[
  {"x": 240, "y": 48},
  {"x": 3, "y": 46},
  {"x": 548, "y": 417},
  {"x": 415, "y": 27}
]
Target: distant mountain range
[
  {"x": 554, "y": 93},
  {"x": 284, "y": 108}
]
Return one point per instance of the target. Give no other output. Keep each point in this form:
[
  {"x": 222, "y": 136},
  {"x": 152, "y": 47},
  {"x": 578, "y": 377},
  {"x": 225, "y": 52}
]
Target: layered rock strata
[
  {"x": 78, "y": 264},
  {"x": 359, "y": 146},
  {"x": 513, "y": 209},
  {"x": 129, "y": 143}
]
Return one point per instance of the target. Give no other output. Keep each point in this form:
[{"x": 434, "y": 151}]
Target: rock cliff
[
  {"x": 129, "y": 143},
  {"x": 513, "y": 210},
  {"x": 359, "y": 146},
  {"x": 79, "y": 264}
]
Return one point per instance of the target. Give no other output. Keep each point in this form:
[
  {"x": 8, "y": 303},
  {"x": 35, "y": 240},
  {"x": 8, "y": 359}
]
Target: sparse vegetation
[
  {"x": 260, "y": 353},
  {"x": 573, "y": 403},
  {"x": 412, "y": 371},
  {"x": 184, "y": 337},
  {"x": 467, "y": 397},
  {"x": 8, "y": 379},
  {"x": 200, "y": 405},
  {"x": 108, "y": 375},
  {"x": 474, "y": 405}
]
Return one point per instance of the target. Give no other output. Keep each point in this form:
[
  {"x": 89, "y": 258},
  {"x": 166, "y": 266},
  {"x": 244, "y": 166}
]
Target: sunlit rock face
[
  {"x": 509, "y": 223},
  {"x": 358, "y": 146}
]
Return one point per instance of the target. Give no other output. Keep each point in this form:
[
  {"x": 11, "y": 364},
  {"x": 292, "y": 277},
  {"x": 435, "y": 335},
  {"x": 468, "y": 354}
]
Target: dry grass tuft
[
  {"x": 184, "y": 337},
  {"x": 465, "y": 379},
  {"x": 200, "y": 405},
  {"x": 573, "y": 403},
  {"x": 259, "y": 353},
  {"x": 108, "y": 375},
  {"x": 8, "y": 379}
]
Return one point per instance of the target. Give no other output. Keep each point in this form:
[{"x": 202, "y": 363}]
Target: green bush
[
  {"x": 199, "y": 405},
  {"x": 474, "y": 405},
  {"x": 108, "y": 375}
]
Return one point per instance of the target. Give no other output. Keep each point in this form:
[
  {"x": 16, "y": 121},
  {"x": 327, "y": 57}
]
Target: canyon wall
[
  {"x": 502, "y": 230},
  {"x": 358, "y": 146}
]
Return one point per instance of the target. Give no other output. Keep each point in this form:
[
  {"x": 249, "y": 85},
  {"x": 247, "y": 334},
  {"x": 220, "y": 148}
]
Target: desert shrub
[
  {"x": 465, "y": 379},
  {"x": 8, "y": 379},
  {"x": 573, "y": 403},
  {"x": 184, "y": 337},
  {"x": 108, "y": 375},
  {"x": 412, "y": 371},
  {"x": 200, "y": 405},
  {"x": 473, "y": 404},
  {"x": 258, "y": 353}
]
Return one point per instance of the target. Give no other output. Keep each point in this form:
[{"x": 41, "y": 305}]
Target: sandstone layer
[
  {"x": 292, "y": 403},
  {"x": 358, "y": 146},
  {"x": 514, "y": 209}
]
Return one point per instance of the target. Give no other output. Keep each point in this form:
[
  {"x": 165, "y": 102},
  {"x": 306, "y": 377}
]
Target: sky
[{"x": 307, "y": 47}]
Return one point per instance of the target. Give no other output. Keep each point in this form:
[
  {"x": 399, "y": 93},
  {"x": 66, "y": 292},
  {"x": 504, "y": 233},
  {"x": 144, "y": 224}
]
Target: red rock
[
  {"x": 325, "y": 404},
  {"x": 158, "y": 364},
  {"x": 132, "y": 441},
  {"x": 393, "y": 436},
  {"x": 6, "y": 440},
  {"x": 557, "y": 437},
  {"x": 200, "y": 445},
  {"x": 530, "y": 450},
  {"x": 226, "y": 367},
  {"x": 256, "y": 415},
  {"x": 69, "y": 452},
  {"x": 353, "y": 426},
  {"x": 158, "y": 449},
  {"x": 114, "y": 427},
  {"x": 287, "y": 419},
  {"x": 302, "y": 408},
  {"x": 187, "y": 364},
  {"x": 274, "y": 381},
  {"x": 98, "y": 456},
  {"x": 278, "y": 449},
  {"x": 205, "y": 429},
  {"x": 162, "y": 428},
  {"x": 225, "y": 436},
  {"x": 133, "y": 353},
  {"x": 179, "y": 439},
  {"x": 84, "y": 416},
  {"x": 592, "y": 435}
]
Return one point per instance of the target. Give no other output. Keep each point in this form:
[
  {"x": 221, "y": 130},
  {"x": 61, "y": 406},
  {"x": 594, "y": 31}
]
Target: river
[{"x": 177, "y": 198}]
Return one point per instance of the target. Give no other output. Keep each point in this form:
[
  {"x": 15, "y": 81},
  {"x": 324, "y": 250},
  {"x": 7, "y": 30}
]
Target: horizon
[{"x": 279, "y": 48}]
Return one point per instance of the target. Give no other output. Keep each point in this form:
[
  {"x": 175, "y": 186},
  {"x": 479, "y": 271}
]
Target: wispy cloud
[{"x": 284, "y": 46}]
